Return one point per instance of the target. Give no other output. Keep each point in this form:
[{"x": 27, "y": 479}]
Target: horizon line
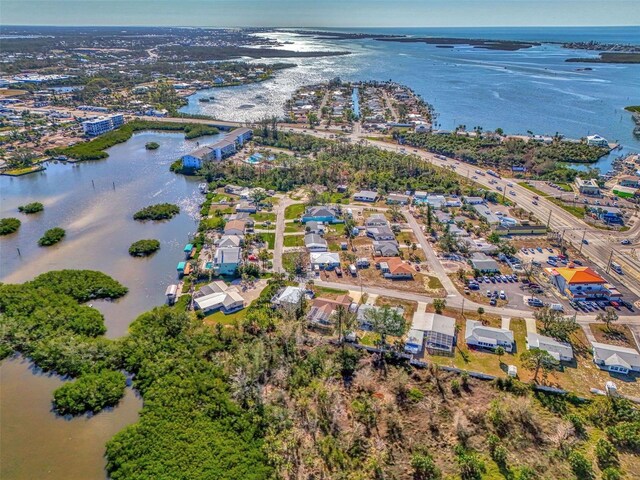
[{"x": 310, "y": 27}]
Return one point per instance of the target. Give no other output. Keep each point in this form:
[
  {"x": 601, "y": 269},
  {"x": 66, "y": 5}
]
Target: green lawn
[
  {"x": 293, "y": 227},
  {"x": 565, "y": 187},
  {"x": 294, "y": 240},
  {"x": 264, "y": 217},
  {"x": 327, "y": 290},
  {"x": 434, "y": 283},
  {"x": 293, "y": 211},
  {"x": 223, "y": 319},
  {"x": 270, "y": 238}
]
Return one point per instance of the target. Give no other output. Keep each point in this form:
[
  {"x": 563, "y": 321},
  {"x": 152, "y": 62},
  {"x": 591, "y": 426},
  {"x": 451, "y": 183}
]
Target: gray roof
[
  {"x": 228, "y": 255},
  {"x": 381, "y": 231},
  {"x": 314, "y": 239},
  {"x": 366, "y": 194},
  {"x": 615, "y": 355},
  {"x": 433, "y": 322},
  {"x": 554, "y": 347},
  {"x": 320, "y": 211},
  {"x": 201, "y": 152},
  {"x": 479, "y": 333},
  {"x": 482, "y": 262},
  {"x": 376, "y": 219},
  {"x": 386, "y": 248}
]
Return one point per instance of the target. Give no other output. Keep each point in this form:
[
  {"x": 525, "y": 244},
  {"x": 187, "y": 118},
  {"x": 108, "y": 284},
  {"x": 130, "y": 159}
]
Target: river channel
[{"x": 94, "y": 202}]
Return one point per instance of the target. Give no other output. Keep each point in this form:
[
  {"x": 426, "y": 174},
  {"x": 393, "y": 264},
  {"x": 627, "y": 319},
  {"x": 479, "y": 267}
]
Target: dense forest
[{"x": 266, "y": 397}]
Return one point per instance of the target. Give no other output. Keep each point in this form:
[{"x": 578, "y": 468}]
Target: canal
[{"x": 94, "y": 202}]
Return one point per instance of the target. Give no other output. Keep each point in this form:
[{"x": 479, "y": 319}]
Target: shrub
[
  {"x": 581, "y": 466},
  {"x": 415, "y": 394},
  {"x": 526, "y": 473},
  {"x": 471, "y": 467},
  {"x": 30, "y": 208},
  {"x": 626, "y": 435},
  {"x": 500, "y": 456},
  {"x": 578, "y": 424},
  {"x": 90, "y": 393},
  {"x": 606, "y": 454},
  {"x": 455, "y": 386},
  {"x": 152, "y": 146},
  {"x": 424, "y": 468},
  {"x": 160, "y": 211},
  {"x": 51, "y": 237},
  {"x": 611, "y": 473},
  {"x": 143, "y": 248},
  {"x": 9, "y": 225}
]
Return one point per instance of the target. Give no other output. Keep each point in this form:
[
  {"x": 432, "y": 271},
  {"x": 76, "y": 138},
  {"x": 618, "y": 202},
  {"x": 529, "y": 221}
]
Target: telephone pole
[
  {"x": 609, "y": 261},
  {"x": 584, "y": 233}
]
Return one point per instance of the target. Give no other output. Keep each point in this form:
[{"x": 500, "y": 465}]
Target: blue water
[{"x": 527, "y": 90}]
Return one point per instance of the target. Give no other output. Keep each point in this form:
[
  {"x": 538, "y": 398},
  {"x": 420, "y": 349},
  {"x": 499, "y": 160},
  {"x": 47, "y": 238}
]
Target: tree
[
  {"x": 429, "y": 216},
  {"x": 424, "y": 468},
  {"x": 500, "y": 352},
  {"x": 480, "y": 311},
  {"x": 439, "y": 305},
  {"x": 536, "y": 360},
  {"x": 581, "y": 466},
  {"x": 386, "y": 321},
  {"x": 396, "y": 214},
  {"x": 608, "y": 317},
  {"x": 345, "y": 321},
  {"x": 606, "y": 454},
  {"x": 263, "y": 256},
  {"x": 555, "y": 325}
]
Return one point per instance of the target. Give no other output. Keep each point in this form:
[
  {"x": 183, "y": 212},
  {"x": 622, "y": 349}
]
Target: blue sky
[{"x": 315, "y": 13}]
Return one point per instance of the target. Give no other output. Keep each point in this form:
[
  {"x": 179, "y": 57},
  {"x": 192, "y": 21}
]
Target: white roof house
[
  {"x": 439, "y": 332},
  {"x": 315, "y": 243},
  {"x": 324, "y": 259},
  {"x": 288, "y": 296},
  {"x": 366, "y": 196},
  {"x": 227, "y": 301},
  {"x": 478, "y": 335},
  {"x": 561, "y": 351},
  {"x": 615, "y": 359}
]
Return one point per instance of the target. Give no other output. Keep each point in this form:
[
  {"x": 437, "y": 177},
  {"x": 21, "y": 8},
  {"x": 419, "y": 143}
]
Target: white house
[
  {"x": 366, "y": 196},
  {"x": 561, "y": 351},
  {"x": 615, "y": 359},
  {"x": 325, "y": 260},
  {"x": 288, "y": 296},
  {"x": 478, "y": 335},
  {"x": 597, "y": 141}
]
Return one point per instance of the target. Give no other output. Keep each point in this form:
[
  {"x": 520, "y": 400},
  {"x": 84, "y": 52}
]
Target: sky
[{"x": 322, "y": 13}]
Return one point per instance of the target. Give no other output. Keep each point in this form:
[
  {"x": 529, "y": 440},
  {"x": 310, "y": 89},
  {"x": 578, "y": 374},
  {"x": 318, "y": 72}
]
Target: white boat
[{"x": 204, "y": 188}]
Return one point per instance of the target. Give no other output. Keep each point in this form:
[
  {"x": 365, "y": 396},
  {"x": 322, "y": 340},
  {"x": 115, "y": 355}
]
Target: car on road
[
  {"x": 511, "y": 192},
  {"x": 535, "y": 302},
  {"x": 534, "y": 202},
  {"x": 626, "y": 241},
  {"x": 585, "y": 241},
  {"x": 577, "y": 262}
]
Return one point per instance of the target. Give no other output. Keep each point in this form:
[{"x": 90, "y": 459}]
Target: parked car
[{"x": 535, "y": 302}]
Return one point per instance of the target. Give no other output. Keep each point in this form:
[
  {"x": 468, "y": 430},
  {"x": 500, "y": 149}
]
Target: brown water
[{"x": 97, "y": 217}]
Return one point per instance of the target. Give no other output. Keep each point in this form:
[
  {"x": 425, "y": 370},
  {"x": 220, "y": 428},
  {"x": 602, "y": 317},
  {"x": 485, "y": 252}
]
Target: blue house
[
  {"x": 321, "y": 214},
  {"x": 226, "y": 260}
]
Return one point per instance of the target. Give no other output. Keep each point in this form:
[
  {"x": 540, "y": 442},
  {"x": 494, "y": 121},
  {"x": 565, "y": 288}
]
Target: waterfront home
[
  {"x": 188, "y": 248},
  {"x": 226, "y": 260},
  {"x": 235, "y": 227},
  {"x": 221, "y": 297},
  {"x": 366, "y": 196},
  {"x": 434, "y": 332},
  {"x": 386, "y": 249},
  {"x": 288, "y": 296},
  {"x": 561, "y": 351},
  {"x": 587, "y": 187},
  {"x": 324, "y": 260},
  {"x": 363, "y": 317},
  {"x": 398, "y": 199},
  {"x": 580, "y": 283},
  {"x": 315, "y": 243},
  {"x": 315, "y": 227},
  {"x": 483, "y": 263},
  {"x": 394, "y": 268},
  {"x": 230, "y": 241},
  {"x": 615, "y": 359},
  {"x": 380, "y": 233},
  {"x": 478, "y": 335},
  {"x": 376, "y": 220},
  {"x": 100, "y": 125},
  {"x": 322, "y": 310},
  {"x": 597, "y": 141},
  {"x": 320, "y": 214}
]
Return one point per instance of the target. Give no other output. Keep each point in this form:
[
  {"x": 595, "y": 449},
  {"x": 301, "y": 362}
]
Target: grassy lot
[
  {"x": 232, "y": 319},
  {"x": 408, "y": 306},
  {"x": 293, "y": 228},
  {"x": 223, "y": 209},
  {"x": 294, "y": 211},
  {"x": 618, "y": 335},
  {"x": 404, "y": 237},
  {"x": 293, "y": 240},
  {"x": 270, "y": 238},
  {"x": 16, "y": 172},
  {"x": 565, "y": 187},
  {"x": 326, "y": 291},
  {"x": 577, "y": 212},
  {"x": 219, "y": 197},
  {"x": 263, "y": 217},
  {"x": 11, "y": 92},
  {"x": 434, "y": 283}
]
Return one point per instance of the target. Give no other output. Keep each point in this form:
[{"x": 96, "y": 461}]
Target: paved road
[{"x": 278, "y": 246}]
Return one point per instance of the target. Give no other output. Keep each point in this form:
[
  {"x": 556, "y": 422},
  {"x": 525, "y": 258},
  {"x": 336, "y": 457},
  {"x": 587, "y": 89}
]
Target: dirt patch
[{"x": 617, "y": 335}]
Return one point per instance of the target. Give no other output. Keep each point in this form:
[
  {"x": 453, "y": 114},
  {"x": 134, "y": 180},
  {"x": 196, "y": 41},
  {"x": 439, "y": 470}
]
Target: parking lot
[{"x": 515, "y": 291}]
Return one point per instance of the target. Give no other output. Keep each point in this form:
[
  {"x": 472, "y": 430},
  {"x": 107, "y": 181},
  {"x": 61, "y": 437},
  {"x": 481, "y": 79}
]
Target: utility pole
[
  {"x": 584, "y": 233},
  {"x": 609, "y": 261},
  {"x": 549, "y": 219},
  {"x": 462, "y": 308}
]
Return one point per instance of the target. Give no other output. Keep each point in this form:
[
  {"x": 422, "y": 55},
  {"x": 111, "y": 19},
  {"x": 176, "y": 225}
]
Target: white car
[{"x": 626, "y": 241}]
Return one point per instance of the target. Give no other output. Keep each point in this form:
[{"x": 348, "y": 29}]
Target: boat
[
  {"x": 204, "y": 188},
  {"x": 203, "y": 99}
]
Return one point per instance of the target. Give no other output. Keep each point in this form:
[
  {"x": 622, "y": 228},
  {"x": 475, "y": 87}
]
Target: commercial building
[
  {"x": 483, "y": 263},
  {"x": 587, "y": 187},
  {"x": 100, "y": 125},
  {"x": 219, "y": 150},
  {"x": 581, "y": 283},
  {"x": 624, "y": 192}
]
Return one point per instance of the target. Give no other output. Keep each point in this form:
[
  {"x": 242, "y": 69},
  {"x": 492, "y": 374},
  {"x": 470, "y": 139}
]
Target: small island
[
  {"x": 51, "y": 237},
  {"x": 90, "y": 393},
  {"x": 160, "y": 211},
  {"x": 29, "y": 208},
  {"x": 9, "y": 225},
  {"x": 152, "y": 146},
  {"x": 144, "y": 248}
]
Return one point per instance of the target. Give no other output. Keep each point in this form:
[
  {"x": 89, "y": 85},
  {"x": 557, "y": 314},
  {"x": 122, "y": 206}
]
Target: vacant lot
[{"x": 293, "y": 211}]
